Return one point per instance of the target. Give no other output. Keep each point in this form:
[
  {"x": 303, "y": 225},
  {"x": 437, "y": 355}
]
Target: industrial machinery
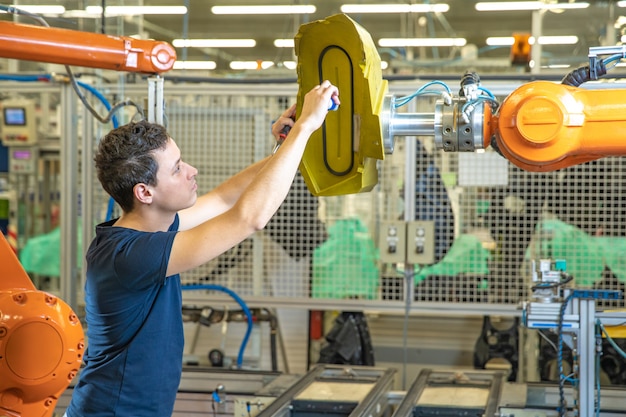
[
  {"x": 541, "y": 126},
  {"x": 41, "y": 338},
  {"x": 571, "y": 313},
  {"x": 41, "y": 343}
]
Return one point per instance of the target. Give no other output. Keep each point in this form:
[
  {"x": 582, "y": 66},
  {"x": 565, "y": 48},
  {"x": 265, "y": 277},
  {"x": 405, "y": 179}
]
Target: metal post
[
  {"x": 155, "y": 100},
  {"x": 537, "y": 30},
  {"x": 586, "y": 353},
  {"x": 69, "y": 197},
  {"x": 87, "y": 189}
]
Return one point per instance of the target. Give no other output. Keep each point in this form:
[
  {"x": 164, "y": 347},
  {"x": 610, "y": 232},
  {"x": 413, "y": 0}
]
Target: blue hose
[
  {"x": 244, "y": 307},
  {"x": 25, "y": 78}
]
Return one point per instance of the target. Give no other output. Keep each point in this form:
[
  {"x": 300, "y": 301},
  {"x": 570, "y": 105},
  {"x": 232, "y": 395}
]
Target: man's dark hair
[{"x": 125, "y": 158}]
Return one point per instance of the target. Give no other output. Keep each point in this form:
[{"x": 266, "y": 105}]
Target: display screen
[
  {"x": 15, "y": 116},
  {"x": 22, "y": 154}
]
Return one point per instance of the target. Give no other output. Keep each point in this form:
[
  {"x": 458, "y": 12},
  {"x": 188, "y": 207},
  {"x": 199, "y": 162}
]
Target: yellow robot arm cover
[{"x": 340, "y": 158}]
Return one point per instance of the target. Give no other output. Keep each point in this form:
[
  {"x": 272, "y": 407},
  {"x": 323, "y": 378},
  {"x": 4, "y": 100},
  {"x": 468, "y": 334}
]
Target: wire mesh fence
[{"x": 491, "y": 218}]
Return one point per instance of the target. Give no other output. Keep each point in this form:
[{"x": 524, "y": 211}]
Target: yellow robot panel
[{"x": 340, "y": 157}]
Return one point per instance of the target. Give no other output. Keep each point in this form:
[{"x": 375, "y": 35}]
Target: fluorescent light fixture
[
  {"x": 500, "y": 41},
  {"x": 195, "y": 65},
  {"x": 556, "y": 40},
  {"x": 136, "y": 10},
  {"x": 497, "y": 6},
  {"x": 556, "y": 66},
  {"x": 284, "y": 43},
  {"x": 621, "y": 4},
  {"x": 40, "y": 9},
  {"x": 395, "y": 8},
  {"x": 543, "y": 40},
  {"x": 433, "y": 42},
  {"x": 304, "y": 9},
  {"x": 250, "y": 65},
  {"x": 214, "y": 43}
]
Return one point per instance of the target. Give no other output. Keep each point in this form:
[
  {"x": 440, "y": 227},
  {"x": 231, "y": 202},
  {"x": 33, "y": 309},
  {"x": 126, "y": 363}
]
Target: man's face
[{"x": 176, "y": 180}]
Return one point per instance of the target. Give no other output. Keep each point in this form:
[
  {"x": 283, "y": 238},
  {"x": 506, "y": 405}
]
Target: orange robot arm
[
  {"x": 544, "y": 126},
  {"x": 41, "y": 343},
  {"x": 70, "y": 47}
]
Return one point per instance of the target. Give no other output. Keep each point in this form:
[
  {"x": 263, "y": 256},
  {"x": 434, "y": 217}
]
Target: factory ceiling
[{"x": 599, "y": 24}]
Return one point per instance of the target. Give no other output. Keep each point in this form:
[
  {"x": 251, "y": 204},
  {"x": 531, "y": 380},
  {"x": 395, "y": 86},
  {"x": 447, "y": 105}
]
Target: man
[{"x": 133, "y": 297}]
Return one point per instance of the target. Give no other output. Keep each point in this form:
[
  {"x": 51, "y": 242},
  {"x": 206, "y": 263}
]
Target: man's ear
[{"x": 143, "y": 193}]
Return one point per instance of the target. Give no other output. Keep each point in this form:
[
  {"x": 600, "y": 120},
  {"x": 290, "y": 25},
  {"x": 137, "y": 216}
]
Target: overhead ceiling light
[
  {"x": 250, "y": 65},
  {"x": 43, "y": 9},
  {"x": 621, "y": 4},
  {"x": 500, "y": 41},
  {"x": 214, "y": 43},
  {"x": 135, "y": 10},
  {"x": 556, "y": 66},
  {"x": 304, "y": 9},
  {"x": 284, "y": 43},
  {"x": 433, "y": 42},
  {"x": 497, "y": 6},
  {"x": 290, "y": 64},
  {"x": 195, "y": 65},
  {"x": 556, "y": 40},
  {"x": 543, "y": 40},
  {"x": 395, "y": 8}
]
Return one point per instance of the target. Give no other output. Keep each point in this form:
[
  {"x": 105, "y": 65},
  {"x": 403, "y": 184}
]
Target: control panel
[
  {"x": 22, "y": 159},
  {"x": 420, "y": 241},
  {"x": 393, "y": 242},
  {"x": 410, "y": 242},
  {"x": 19, "y": 124}
]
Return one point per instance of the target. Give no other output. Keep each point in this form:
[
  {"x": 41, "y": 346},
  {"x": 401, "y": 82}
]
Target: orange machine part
[
  {"x": 86, "y": 49},
  {"x": 544, "y": 126},
  {"x": 41, "y": 343}
]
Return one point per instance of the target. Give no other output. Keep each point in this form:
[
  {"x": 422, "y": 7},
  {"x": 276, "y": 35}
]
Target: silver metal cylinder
[
  {"x": 403, "y": 124},
  {"x": 447, "y": 124}
]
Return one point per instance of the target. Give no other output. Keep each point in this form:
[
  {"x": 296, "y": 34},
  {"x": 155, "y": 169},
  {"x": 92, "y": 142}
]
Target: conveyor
[
  {"x": 335, "y": 391},
  {"x": 453, "y": 394}
]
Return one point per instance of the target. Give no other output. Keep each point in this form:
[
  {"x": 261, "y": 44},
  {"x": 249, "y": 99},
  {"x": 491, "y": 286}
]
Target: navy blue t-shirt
[{"x": 133, "y": 361}]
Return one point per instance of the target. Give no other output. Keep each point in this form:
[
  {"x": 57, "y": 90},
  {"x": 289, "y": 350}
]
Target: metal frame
[
  {"x": 495, "y": 379},
  {"x": 373, "y": 405}
]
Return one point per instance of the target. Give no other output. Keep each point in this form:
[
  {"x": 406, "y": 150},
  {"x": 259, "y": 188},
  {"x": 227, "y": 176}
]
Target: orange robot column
[{"x": 41, "y": 343}]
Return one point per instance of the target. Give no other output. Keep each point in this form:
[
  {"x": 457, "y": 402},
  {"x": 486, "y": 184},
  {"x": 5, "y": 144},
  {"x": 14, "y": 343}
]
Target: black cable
[{"x": 591, "y": 72}]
